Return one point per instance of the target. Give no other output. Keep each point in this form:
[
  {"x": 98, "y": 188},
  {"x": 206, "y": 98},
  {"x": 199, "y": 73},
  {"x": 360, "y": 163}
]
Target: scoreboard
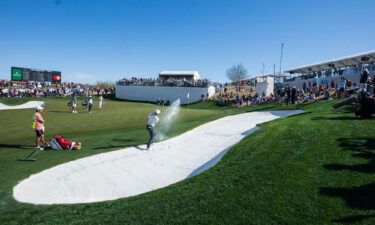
[{"x": 27, "y": 74}]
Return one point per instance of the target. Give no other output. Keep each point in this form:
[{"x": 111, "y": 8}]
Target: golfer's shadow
[
  {"x": 122, "y": 140},
  {"x": 117, "y": 146},
  {"x": 140, "y": 148},
  {"x": 112, "y": 146}
]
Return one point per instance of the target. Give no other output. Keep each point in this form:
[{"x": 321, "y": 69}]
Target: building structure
[
  {"x": 349, "y": 67},
  {"x": 188, "y": 75},
  {"x": 185, "y": 85}
]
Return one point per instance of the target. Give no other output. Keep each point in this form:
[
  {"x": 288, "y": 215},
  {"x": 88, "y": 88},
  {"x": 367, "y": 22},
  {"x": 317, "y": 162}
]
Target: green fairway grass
[{"x": 313, "y": 168}]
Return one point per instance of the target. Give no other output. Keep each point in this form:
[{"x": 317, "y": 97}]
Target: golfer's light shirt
[{"x": 152, "y": 119}]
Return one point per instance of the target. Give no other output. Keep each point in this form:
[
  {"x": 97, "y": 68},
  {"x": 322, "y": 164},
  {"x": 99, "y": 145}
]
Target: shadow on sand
[{"x": 140, "y": 148}]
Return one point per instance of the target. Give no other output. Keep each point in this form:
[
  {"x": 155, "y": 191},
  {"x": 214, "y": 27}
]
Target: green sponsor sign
[{"x": 16, "y": 74}]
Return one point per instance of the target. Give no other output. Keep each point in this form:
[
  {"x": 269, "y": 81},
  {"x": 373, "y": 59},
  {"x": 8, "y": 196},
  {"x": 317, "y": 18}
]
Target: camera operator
[{"x": 365, "y": 106}]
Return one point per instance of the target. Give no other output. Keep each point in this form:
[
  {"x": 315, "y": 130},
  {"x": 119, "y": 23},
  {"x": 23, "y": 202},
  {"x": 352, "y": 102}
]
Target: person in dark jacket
[
  {"x": 363, "y": 81},
  {"x": 288, "y": 95},
  {"x": 293, "y": 94}
]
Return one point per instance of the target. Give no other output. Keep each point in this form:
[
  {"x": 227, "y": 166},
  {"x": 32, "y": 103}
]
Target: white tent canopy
[
  {"x": 183, "y": 74},
  {"x": 353, "y": 60}
]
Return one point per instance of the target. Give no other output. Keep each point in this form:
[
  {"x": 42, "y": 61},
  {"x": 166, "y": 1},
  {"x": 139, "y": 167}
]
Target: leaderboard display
[{"x": 27, "y": 74}]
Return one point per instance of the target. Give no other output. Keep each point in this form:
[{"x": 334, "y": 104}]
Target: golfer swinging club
[{"x": 152, "y": 120}]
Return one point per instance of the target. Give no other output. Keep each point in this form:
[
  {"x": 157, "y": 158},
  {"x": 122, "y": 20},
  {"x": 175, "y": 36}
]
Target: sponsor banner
[{"x": 16, "y": 74}]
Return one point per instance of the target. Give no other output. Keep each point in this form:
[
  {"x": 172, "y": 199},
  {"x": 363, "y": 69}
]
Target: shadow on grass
[
  {"x": 122, "y": 140},
  {"x": 60, "y": 111},
  {"x": 357, "y": 144},
  {"x": 112, "y": 146},
  {"x": 352, "y": 219},
  {"x": 251, "y": 109},
  {"x": 260, "y": 109},
  {"x": 344, "y": 110},
  {"x": 335, "y": 118},
  {"x": 360, "y": 197},
  {"x": 299, "y": 114},
  {"x": 362, "y": 148},
  {"x": 301, "y": 105},
  {"x": 16, "y": 146},
  {"x": 362, "y": 168}
]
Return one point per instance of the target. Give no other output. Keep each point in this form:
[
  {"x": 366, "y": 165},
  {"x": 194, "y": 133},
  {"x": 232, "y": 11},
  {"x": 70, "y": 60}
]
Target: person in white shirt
[
  {"x": 100, "y": 101},
  {"x": 152, "y": 119},
  {"x": 74, "y": 104}
]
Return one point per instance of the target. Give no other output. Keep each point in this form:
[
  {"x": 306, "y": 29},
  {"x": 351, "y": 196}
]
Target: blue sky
[{"x": 93, "y": 41}]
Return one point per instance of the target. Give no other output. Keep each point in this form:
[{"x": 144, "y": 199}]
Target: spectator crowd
[
  {"x": 310, "y": 92},
  {"x": 171, "y": 82},
  {"x": 20, "y": 89}
]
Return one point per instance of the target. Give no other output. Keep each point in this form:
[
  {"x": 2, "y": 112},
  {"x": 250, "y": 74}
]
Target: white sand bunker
[
  {"x": 134, "y": 171},
  {"x": 27, "y": 105}
]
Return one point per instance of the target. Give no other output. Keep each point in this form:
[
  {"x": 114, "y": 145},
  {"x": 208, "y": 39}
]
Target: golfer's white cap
[
  {"x": 157, "y": 111},
  {"x": 39, "y": 107}
]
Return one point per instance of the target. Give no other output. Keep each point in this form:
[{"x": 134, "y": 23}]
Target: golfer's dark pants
[
  {"x": 293, "y": 99},
  {"x": 287, "y": 100},
  {"x": 151, "y": 131},
  {"x": 90, "y": 107}
]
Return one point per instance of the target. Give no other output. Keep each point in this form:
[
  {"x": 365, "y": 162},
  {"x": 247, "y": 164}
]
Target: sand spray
[{"x": 167, "y": 117}]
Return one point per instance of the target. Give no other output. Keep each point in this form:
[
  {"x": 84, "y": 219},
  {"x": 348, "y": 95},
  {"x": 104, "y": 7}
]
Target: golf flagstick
[{"x": 188, "y": 97}]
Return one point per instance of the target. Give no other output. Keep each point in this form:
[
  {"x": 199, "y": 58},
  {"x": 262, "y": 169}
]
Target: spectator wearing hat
[
  {"x": 38, "y": 125},
  {"x": 152, "y": 119}
]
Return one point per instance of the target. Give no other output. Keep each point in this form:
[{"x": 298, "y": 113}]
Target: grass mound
[
  {"x": 314, "y": 168},
  {"x": 16, "y": 101}
]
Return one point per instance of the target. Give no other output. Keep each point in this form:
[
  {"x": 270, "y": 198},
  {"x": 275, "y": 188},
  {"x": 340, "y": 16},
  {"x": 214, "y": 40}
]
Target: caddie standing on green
[{"x": 38, "y": 125}]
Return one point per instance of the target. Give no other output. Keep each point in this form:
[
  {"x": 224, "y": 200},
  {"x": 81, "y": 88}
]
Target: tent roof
[
  {"x": 195, "y": 74},
  {"x": 357, "y": 59},
  {"x": 179, "y": 73}
]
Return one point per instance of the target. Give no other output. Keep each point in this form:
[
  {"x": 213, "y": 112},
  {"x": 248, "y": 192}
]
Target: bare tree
[
  {"x": 236, "y": 73},
  {"x": 105, "y": 84}
]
